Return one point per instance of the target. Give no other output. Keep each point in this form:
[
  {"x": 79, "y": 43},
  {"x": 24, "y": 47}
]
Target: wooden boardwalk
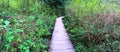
[{"x": 60, "y": 41}]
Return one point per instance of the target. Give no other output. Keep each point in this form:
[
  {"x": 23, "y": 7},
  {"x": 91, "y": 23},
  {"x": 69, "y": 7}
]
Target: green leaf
[
  {"x": 1, "y": 20},
  {"x": 21, "y": 46},
  {"x": 25, "y": 43},
  {"x": 29, "y": 41},
  {"x": 31, "y": 18},
  {"x": 18, "y": 30},
  {"x": 7, "y": 46},
  {"x": 10, "y": 38},
  {"x": 2, "y": 26},
  {"x": 118, "y": 46},
  {"x": 7, "y": 22},
  {"x": 19, "y": 38},
  {"x": 27, "y": 50}
]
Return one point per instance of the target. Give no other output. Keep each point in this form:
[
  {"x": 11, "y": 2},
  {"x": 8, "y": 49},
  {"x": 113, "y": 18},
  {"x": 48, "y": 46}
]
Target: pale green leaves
[
  {"x": 10, "y": 38},
  {"x": 26, "y": 48},
  {"x": 7, "y": 23}
]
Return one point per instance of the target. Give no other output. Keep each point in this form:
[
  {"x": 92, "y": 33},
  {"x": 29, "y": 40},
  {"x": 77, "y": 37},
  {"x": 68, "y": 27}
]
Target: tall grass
[{"x": 93, "y": 25}]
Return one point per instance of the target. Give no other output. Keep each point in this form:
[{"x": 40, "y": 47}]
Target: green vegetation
[
  {"x": 93, "y": 25},
  {"x": 26, "y": 25}
]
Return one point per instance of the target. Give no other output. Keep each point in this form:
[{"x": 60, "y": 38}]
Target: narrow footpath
[{"x": 60, "y": 41}]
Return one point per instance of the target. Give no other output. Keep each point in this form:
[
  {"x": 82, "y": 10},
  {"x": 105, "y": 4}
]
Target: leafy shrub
[
  {"x": 25, "y": 33},
  {"x": 92, "y": 26}
]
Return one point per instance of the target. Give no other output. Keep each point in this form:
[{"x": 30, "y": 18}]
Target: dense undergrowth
[
  {"x": 93, "y": 25},
  {"x": 25, "y": 33},
  {"x": 26, "y": 25}
]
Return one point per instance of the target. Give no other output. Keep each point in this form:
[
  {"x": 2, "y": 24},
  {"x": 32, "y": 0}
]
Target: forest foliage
[
  {"x": 27, "y": 25},
  {"x": 93, "y": 25}
]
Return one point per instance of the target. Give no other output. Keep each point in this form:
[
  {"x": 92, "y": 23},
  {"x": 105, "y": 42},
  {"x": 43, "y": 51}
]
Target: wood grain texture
[{"x": 60, "y": 41}]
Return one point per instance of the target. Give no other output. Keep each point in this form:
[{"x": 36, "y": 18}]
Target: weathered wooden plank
[{"x": 60, "y": 41}]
